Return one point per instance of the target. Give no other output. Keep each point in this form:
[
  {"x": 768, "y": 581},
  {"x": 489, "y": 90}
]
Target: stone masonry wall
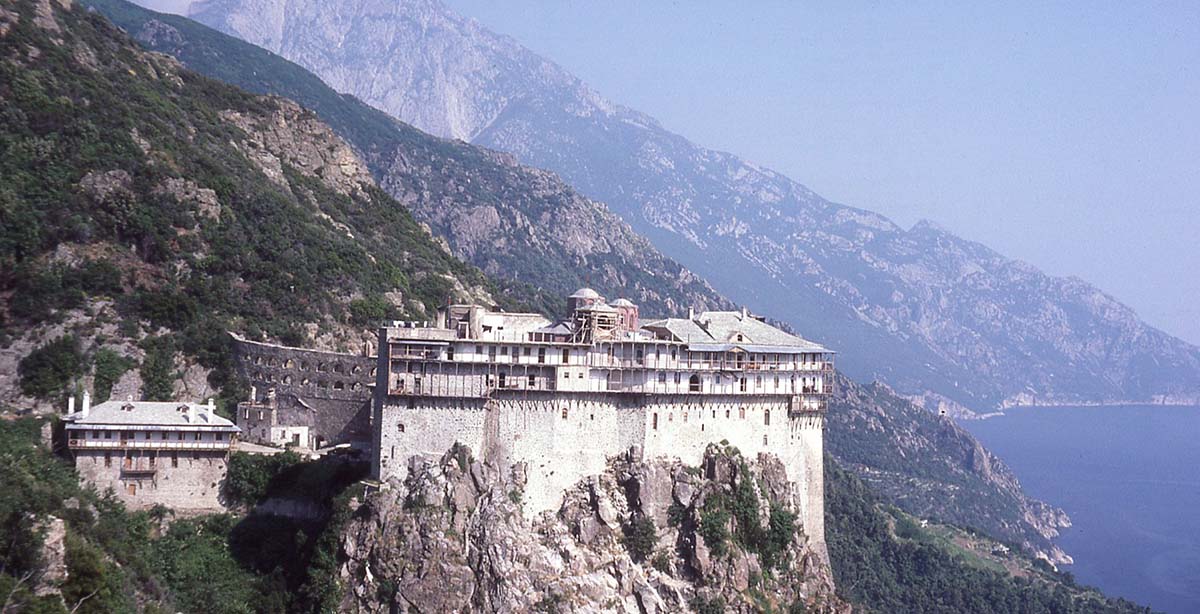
[
  {"x": 194, "y": 484},
  {"x": 328, "y": 392}
]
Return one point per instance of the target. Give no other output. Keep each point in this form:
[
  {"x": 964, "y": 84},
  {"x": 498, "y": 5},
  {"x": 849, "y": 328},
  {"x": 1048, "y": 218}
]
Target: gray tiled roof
[
  {"x": 721, "y": 327},
  {"x": 150, "y": 413}
]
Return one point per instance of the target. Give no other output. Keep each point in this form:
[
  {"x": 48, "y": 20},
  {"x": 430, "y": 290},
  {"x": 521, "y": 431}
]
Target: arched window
[
  {"x": 289, "y": 364},
  {"x": 322, "y": 367},
  {"x": 287, "y": 379},
  {"x": 338, "y": 368},
  {"x": 767, "y": 417},
  {"x": 400, "y": 427},
  {"x": 694, "y": 383}
]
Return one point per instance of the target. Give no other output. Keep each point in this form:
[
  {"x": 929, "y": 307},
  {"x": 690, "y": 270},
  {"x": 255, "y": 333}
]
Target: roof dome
[
  {"x": 622, "y": 302},
  {"x": 585, "y": 293}
]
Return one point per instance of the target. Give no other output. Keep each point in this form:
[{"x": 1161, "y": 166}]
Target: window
[
  {"x": 179, "y": 436},
  {"x": 450, "y": 353},
  {"x": 662, "y": 377},
  {"x": 764, "y": 440},
  {"x": 758, "y": 382},
  {"x": 195, "y": 456},
  {"x": 767, "y": 418},
  {"x": 196, "y": 436},
  {"x": 655, "y": 422},
  {"x": 564, "y": 413},
  {"x": 491, "y": 352},
  {"x": 108, "y": 459},
  {"x": 479, "y": 349},
  {"x": 148, "y": 434},
  {"x": 527, "y": 351},
  {"x": 742, "y": 413},
  {"x": 504, "y": 350},
  {"x": 400, "y": 427},
  {"x": 541, "y": 355},
  {"x": 742, "y": 384},
  {"x": 639, "y": 354},
  {"x": 694, "y": 383},
  {"x": 153, "y": 461},
  {"x": 566, "y": 356},
  {"x": 727, "y": 413},
  {"x": 532, "y": 381},
  {"x": 677, "y": 378},
  {"x": 220, "y": 436},
  {"x": 174, "y": 459},
  {"x": 502, "y": 377}
]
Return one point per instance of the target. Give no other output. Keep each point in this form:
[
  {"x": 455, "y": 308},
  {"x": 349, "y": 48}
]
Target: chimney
[
  {"x": 212, "y": 409},
  {"x": 191, "y": 413},
  {"x": 87, "y": 404},
  {"x": 253, "y": 393},
  {"x": 691, "y": 313},
  {"x": 745, "y": 313},
  {"x": 71, "y": 404}
]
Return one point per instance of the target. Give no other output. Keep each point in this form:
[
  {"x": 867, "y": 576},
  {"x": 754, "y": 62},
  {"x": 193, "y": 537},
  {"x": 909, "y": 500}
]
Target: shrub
[
  {"x": 109, "y": 367},
  {"x": 51, "y": 368},
  {"x": 640, "y": 538},
  {"x": 249, "y": 475}
]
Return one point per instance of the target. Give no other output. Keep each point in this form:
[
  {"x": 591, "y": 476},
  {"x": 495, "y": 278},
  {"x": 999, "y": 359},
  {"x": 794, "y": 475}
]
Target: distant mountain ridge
[{"x": 936, "y": 316}]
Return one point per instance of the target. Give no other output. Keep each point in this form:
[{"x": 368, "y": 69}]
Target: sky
[{"x": 1066, "y": 135}]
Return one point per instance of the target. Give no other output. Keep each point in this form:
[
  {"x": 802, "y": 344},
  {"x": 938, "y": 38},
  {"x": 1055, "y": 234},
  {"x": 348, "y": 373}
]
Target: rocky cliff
[
  {"x": 641, "y": 537},
  {"x": 936, "y": 316}
]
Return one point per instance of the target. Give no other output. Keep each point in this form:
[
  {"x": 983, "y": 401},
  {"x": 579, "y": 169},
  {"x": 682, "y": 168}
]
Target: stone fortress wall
[
  {"x": 323, "y": 396},
  {"x": 563, "y": 437}
]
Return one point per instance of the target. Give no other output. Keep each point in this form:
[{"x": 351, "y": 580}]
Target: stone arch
[
  {"x": 322, "y": 367},
  {"x": 287, "y": 379},
  {"x": 304, "y": 365},
  {"x": 289, "y": 364},
  {"x": 357, "y": 369}
]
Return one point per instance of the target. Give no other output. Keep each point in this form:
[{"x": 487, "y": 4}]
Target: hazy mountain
[{"x": 921, "y": 308}]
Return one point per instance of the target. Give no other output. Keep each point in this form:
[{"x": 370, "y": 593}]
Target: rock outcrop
[{"x": 642, "y": 537}]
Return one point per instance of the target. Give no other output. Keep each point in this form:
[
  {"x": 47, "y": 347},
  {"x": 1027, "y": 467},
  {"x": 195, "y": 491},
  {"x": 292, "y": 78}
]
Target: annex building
[{"x": 149, "y": 452}]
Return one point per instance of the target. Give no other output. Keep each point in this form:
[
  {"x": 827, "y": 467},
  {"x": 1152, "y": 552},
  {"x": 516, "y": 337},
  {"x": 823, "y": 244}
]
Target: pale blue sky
[{"x": 1065, "y": 135}]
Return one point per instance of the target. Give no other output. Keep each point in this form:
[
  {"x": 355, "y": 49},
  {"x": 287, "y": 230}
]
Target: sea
[{"x": 1129, "y": 476}]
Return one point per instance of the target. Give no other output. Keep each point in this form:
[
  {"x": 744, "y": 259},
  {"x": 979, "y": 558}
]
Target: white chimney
[
  {"x": 87, "y": 404},
  {"x": 191, "y": 414},
  {"x": 71, "y": 404},
  {"x": 691, "y": 313},
  {"x": 745, "y": 313}
]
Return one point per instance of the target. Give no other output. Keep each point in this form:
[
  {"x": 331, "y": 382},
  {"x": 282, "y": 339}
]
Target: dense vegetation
[
  {"x": 94, "y": 133},
  {"x": 118, "y": 560},
  {"x": 884, "y": 562}
]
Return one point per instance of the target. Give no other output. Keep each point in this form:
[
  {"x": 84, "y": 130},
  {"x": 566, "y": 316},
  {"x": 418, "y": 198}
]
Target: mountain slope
[
  {"x": 920, "y": 308},
  {"x": 145, "y": 210},
  {"x": 523, "y": 226},
  {"x": 883, "y": 438}
]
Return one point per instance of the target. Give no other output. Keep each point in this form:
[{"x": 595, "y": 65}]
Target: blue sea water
[{"x": 1129, "y": 476}]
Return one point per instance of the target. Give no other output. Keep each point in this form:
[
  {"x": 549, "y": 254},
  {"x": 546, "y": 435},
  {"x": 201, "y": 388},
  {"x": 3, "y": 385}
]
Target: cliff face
[
  {"x": 926, "y": 311},
  {"x": 641, "y": 537}
]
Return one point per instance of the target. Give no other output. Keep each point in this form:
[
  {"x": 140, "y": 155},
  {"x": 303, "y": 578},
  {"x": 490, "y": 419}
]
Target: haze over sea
[{"x": 1128, "y": 477}]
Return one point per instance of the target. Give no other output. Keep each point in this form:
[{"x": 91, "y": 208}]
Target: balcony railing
[{"x": 152, "y": 444}]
